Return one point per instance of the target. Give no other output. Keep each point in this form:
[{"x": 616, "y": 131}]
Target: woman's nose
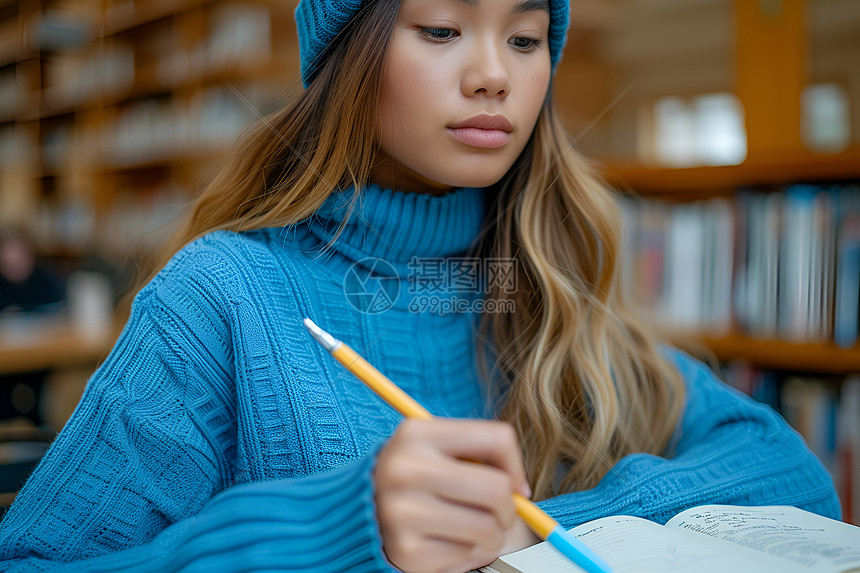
[{"x": 486, "y": 73}]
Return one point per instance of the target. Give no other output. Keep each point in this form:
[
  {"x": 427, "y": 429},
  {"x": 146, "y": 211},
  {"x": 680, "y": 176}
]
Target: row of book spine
[
  {"x": 824, "y": 412},
  {"x": 770, "y": 264}
]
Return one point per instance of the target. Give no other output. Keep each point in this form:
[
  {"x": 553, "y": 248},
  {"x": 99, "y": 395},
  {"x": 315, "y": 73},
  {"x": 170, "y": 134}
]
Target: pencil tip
[
  {"x": 577, "y": 551},
  {"x": 327, "y": 340}
]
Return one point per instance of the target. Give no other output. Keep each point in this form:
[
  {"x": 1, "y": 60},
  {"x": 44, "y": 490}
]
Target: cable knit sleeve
[
  {"x": 141, "y": 478},
  {"x": 731, "y": 450}
]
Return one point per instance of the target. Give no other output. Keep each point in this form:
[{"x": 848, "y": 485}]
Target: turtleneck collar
[{"x": 397, "y": 226}]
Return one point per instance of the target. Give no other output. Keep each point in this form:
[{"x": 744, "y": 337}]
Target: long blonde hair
[{"x": 579, "y": 377}]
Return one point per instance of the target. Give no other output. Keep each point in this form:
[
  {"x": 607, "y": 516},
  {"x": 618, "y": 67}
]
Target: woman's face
[{"x": 463, "y": 87}]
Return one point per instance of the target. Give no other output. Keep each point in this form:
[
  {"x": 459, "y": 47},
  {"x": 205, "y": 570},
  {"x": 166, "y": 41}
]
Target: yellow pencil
[{"x": 542, "y": 524}]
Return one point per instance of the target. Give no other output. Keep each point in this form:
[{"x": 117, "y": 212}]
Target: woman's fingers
[
  {"x": 428, "y": 498},
  {"x": 423, "y": 554},
  {"x": 493, "y": 443},
  {"x": 441, "y": 519},
  {"x": 480, "y": 487}
]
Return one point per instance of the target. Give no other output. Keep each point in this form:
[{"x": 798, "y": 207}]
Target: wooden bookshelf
[
  {"x": 808, "y": 357},
  {"x": 74, "y": 106},
  {"x": 125, "y": 16},
  {"x": 69, "y": 126},
  {"x": 147, "y": 83},
  {"x": 56, "y": 348},
  {"x": 770, "y": 66},
  {"x": 706, "y": 181}
]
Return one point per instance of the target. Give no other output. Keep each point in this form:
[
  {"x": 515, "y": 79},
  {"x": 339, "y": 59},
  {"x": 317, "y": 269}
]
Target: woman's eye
[
  {"x": 437, "y": 34},
  {"x": 524, "y": 44}
]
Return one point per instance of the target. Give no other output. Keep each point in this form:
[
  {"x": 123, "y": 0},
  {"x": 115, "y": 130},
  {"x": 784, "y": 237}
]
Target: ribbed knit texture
[
  {"x": 318, "y": 22},
  {"x": 219, "y": 436}
]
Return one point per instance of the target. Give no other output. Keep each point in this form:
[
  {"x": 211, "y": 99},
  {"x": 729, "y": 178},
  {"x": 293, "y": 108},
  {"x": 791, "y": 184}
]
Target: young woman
[{"x": 219, "y": 435}]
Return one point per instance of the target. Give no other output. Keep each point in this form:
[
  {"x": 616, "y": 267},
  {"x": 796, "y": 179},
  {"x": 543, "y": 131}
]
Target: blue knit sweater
[{"x": 218, "y": 435}]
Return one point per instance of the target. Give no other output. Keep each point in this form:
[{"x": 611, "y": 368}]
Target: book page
[
  {"x": 818, "y": 543},
  {"x": 631, "y": 544}
]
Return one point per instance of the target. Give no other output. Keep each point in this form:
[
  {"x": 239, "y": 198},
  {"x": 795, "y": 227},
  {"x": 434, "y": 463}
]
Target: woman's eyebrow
[{"x": 530, "y": 5}]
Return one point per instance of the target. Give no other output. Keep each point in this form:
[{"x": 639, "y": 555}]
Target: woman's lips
[
  {"x": 484, "y": 130},
  {"x": 477, "y": 137}
]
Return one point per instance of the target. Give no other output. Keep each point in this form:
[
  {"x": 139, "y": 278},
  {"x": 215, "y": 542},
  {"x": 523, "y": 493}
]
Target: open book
[{"x": 778, "y": 539}]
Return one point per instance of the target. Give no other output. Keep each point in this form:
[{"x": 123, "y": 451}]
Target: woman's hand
[{"x": 438, "y": 512}]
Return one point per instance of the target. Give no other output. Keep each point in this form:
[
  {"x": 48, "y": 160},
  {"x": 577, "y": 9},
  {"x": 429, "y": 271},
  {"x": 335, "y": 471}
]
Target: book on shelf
[
  {"x": 811, "y": 407},
  {"x": 709, "y": 538},
  {"x": 847, "y": 313},
  {"x": 770, "y": 265},
  {"x": 685, "y": 258}
]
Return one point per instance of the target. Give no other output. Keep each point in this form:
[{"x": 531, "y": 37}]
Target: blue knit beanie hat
[{"x": 320, "y": 21}]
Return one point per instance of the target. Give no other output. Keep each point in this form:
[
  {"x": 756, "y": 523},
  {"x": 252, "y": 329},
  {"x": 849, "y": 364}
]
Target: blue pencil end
[{"x": 577, "y": 551}]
